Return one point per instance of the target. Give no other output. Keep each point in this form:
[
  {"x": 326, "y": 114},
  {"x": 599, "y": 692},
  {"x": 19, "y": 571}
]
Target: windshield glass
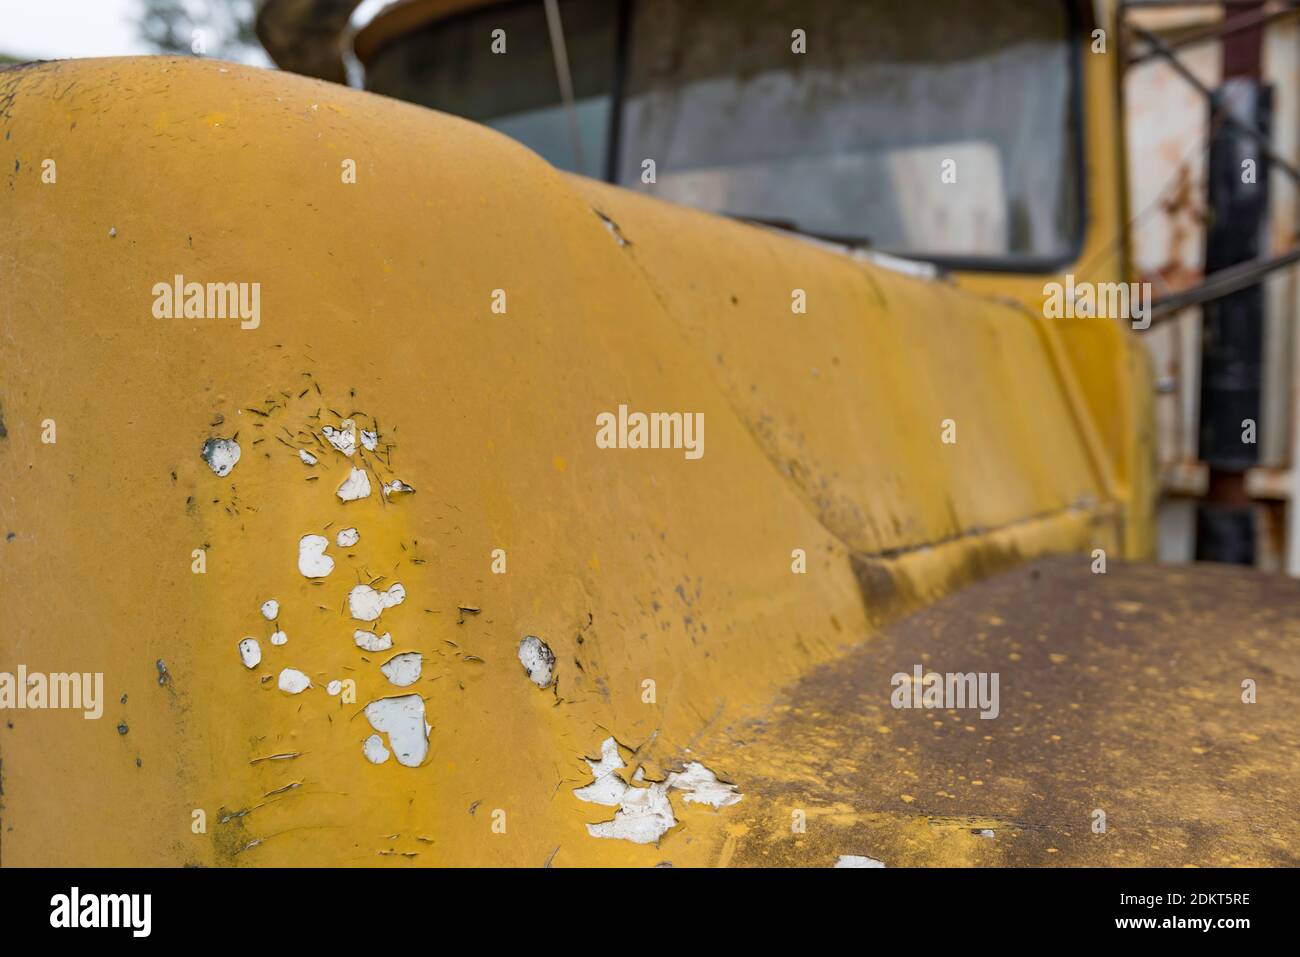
[
  {"x": 938, "y": 129},
  {"x": 508, "y": 80},
  {"x": 853, "y": 138}
]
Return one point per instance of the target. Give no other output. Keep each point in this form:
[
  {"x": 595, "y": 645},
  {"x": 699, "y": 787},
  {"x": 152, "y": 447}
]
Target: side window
[
  {"x": 449, "y": 65},
  {"x": 943, "y": 128},
  {"x": 940, "y": 130}
]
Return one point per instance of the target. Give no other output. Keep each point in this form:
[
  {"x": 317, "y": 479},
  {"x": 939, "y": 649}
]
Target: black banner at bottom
[{"x": 307, "y": 906}]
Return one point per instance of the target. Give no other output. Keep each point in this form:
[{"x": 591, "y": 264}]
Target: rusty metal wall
[{"x": 1167, "y": 135}]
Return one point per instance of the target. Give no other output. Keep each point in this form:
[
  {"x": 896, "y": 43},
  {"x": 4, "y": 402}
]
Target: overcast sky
[
  {"x": 47, "y": 29},
  {"x": 53, "y": 29}
]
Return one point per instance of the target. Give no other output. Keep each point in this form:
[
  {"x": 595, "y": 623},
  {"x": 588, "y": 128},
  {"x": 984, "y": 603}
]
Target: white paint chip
[
  {"x": 221, "y": 455},
  {"x": 355, "y": 487},
  {"x": 607, "y": 788},
  {"x": 645, "y": 813},
  {"x": 333, "y": 688},
  {"x": 643, "y": 816},
  {"x": 396, "y": 487},
  {"x": 279, "y": 638},
  {"x": 312, "y": 560},
  {"x": 344, "y": 438},
  {"x": 610, "y": 759},
  {"x": 402, "y": 719},
  {"x": 307, "y": 457},
  {"x": 370, "y": 440},
  {"x": 366, "y": 604},
  {"x": 853, "y": 860},
  {"x": 369, "y": 641},
  {"x": 538, "y": 661},
  {"x": 250, "y": 652},
  {"x": 403, "y": 670},
  {"x": 374, "y": 750},
  {"x": 701, "y": 786},
  {"x": 270, "y": 609},
  {"x": 347, "y": 538},
  {"x": 293, "y": 681}
]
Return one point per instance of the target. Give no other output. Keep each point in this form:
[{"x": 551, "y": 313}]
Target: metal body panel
[{"x": 823, "y": 434}]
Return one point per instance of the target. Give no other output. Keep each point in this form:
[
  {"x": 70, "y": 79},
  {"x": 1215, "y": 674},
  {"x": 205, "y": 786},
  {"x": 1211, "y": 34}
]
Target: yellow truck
[{"x": 602, "y": 475}]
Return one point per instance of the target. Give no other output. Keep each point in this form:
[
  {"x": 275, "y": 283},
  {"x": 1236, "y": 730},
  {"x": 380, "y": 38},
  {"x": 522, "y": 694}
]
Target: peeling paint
[
  {"x": 396, "y": 487},
  {"x": 369, "y": 641},
  {"x": 271, "y": 607},
  {"x": 701, "y": 786},
  {"x": 607, "y": 790},
  {"x": 646, "y": 813},
  {"x": 282, "y": 756},
  {"x": 344, "y": 438},
  {"x": 279, "y": 638},
  {"x": 366, "y": 604},
  {"x": 402, "y": 718},
  {"x": 355, "y": 487},
  {"x": 775, "y": 454},
  {"x": 374, "y": 750},
  {"x": 250, "y": 652},
  {"x": 403, "y": 670},
  {"x": 369, "y": 440},
  {"x": 612, "y": 227},
  {"x": 333, "y": 688},
  {"x": 610, "y": 760},
  {"x": 347, "y": 538},
  {"x": 307, "y": 457},
  {"x": 221, "y": 455},
  {"x": 853, "y": 860},
  {"x": 312, "y": 560},
  {"x": 538, "y": 660},
  {"x": 293, "y": 681},
  {"x": 608, "y": 787}
]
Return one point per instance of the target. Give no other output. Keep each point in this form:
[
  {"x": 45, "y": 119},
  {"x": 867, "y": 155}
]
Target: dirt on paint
[{"x": 1124, "y": 693}]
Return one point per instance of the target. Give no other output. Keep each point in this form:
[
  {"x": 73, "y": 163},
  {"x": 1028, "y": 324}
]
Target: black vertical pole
[{"x": 1232, "y": 343}]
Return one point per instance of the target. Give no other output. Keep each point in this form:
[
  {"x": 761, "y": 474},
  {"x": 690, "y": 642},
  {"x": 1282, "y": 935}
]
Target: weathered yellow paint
[
  {"x": 823, "y": 434},
  {"x": 1112, "y": 367}
]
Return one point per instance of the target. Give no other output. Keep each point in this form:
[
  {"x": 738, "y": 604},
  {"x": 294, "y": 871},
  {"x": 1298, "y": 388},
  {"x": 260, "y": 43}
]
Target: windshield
[
  {"x": 508, "y": 80},
  {"x": 936, "y": 129}
]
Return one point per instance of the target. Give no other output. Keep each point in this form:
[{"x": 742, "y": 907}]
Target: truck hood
[{"x": 444, "y": 288}]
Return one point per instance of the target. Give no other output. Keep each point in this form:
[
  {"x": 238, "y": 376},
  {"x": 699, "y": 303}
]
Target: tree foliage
[{"x": 224, "y": 28}]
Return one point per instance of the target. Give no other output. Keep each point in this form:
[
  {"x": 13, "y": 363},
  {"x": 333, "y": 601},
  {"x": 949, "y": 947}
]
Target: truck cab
[{"x": 417, "y": 611}]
